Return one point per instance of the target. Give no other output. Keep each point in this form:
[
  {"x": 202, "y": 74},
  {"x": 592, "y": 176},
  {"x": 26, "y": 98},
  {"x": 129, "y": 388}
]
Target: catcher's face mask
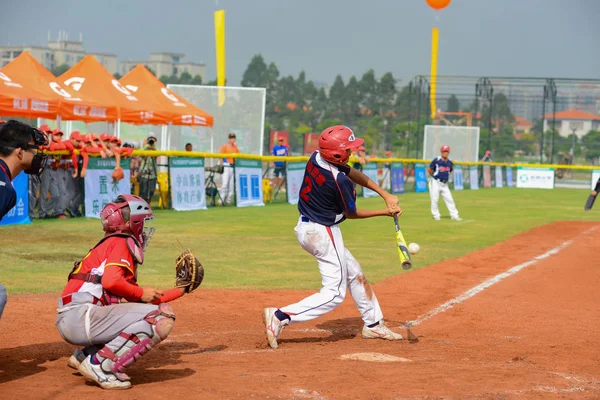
[{"x": 148, "y": 232}]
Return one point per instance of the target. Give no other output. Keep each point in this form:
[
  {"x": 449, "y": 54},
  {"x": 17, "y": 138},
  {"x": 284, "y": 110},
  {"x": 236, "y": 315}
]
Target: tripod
[{"x": 211, "y": 189}]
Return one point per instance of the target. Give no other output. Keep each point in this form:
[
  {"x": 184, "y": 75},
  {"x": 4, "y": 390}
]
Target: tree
[
  {"x": 164, "y": 79},
  {"x": 591, "y": 141},
  {"x": 196, "y": 80},
  {"x": 61, "y": 69},
  {"x": 368, "y": 90},
  {"x": 453, "y": 105},
  {"x": 185, "y": 78},
  {"x": 117, "y": 75},
  {"x": 256, "y": 72},
  {"x": 336, "y": 98}
]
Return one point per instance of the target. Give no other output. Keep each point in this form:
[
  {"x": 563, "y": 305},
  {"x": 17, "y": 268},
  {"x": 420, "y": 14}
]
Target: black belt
[
  {"x": 304, "y": 219},
  {"x": 441, "y": 180}
]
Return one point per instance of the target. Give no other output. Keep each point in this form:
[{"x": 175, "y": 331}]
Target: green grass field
[{"x": 256, "y": 247}]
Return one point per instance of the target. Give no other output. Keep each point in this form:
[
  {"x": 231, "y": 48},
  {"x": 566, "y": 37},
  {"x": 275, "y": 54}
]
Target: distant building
[
  {"x": 58, "y": 52},
  {"x": 167, "y": 64},
  {"x": 573, "y": 121},
  {"x": 522, "y": 126}
]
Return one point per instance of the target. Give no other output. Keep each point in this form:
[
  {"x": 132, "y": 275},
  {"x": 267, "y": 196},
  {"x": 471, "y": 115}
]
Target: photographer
[{"x": 148, "y": 172}]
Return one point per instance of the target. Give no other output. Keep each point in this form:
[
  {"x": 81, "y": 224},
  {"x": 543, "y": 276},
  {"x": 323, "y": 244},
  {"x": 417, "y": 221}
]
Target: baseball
[{"x": 414, "y": 248}]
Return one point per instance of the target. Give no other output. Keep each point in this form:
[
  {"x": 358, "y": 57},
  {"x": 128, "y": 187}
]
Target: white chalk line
[{"x": 492, "y": 281}]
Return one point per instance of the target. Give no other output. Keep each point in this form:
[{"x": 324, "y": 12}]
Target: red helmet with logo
[
  {"x": 335, "y": 142},
  {"x": 445, "y": 148},
  {"x": 139, "y": 212}
]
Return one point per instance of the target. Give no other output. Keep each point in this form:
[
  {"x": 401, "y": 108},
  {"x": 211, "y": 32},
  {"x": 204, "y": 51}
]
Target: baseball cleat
[
  {"x": 380, "y": 332},
  {"x": 106, "y": 380},
  {"x": 273, "y": 326},
  {"x": 76, "y": 358},
  {"x": 457, "y": 219}
]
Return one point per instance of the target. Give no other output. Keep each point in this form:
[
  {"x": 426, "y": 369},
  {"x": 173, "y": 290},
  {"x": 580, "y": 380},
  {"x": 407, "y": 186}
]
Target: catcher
[{"x": 91, "y": 312}]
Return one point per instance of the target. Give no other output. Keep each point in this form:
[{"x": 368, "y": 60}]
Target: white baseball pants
[
  {"x": 227, "y": 183},
  {"x": 435, "y": 189},
  {"x": 339, "y": 271}
]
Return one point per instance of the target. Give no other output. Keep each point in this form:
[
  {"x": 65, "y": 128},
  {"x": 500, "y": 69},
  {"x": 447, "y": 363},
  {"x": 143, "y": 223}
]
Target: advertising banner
[
  {"x": 187, "y": 183},
  {"x": 458, "y": 178},
  {"x": 397, "y": 178},
  {"x": 19, "y": 214},
  {"x": 248, "y": 183},
  {"x": 473, "y": 177},
  {"x": 294, "y": 176},
  {"x": 420, "y": 178},
  {"x": 99, "y": 187},
  {"x": 535, "y": 178},
  {"x": 370, "y": 170}
]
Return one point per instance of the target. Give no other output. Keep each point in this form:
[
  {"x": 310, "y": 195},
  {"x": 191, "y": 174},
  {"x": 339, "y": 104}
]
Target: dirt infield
[{"x": 534, "y": 334}]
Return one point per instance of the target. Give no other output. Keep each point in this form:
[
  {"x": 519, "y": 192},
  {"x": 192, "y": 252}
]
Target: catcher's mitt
[
  {"x": 118, "y": 174},
  {"x": 189, "y": 273}
]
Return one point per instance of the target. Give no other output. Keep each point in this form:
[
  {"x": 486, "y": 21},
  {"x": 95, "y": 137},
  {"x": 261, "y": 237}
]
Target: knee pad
[
  {"x": 162, "y": 321},
  {"x": 137, "y": 344}
]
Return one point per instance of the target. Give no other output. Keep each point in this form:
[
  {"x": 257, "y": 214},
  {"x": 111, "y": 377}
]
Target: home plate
[{"x": 374, "y": 357}]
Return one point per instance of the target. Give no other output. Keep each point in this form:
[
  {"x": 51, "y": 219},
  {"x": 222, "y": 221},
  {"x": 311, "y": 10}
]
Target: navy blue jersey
[
  {"x": 8, "y": 195},
  {"x": 280, "y": 151},
  {"x": 326, "y": 194},
  {"x": 441, "y": 169}
]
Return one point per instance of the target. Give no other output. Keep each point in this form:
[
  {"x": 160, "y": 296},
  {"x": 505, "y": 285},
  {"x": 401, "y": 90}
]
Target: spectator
[
  {"x": 148, "y": 171},
  {"x": 227, "y": 184},
  {"x": 487, "y": 157},
  {"x": 36, "y": 186},
  {"x": 134, "y": 168},
  {"x": 362, "y": 158},
  {"x": 58, "y": 178},
  {"x": 188, "y": 147},
  {"x": 279, "y": 150},
  {"x": 75, "y": 185}
]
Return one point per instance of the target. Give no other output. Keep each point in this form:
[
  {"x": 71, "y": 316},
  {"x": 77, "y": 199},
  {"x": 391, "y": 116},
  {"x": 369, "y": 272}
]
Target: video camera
[{"x": 216, "y": 169}]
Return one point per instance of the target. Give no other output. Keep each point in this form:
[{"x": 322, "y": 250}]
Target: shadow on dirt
[
  {"x": 340, "y": 329},
  {"x": 24, "y": 361}
]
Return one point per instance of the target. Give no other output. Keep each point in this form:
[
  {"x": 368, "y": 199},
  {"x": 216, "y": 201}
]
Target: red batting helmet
[
  {"x": 334, "y": 143},
  {"x": 445, "y": 148},
  {"x": 140, "y": 212}
]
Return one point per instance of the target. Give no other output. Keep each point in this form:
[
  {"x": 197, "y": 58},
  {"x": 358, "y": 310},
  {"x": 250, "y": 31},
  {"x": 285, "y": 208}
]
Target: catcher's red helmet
[
  {"x": 140, "y": 212},
  {"x": 335, "y": 142}
]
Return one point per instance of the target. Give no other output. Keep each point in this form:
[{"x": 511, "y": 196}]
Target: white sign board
[
  {"x": 187, "y": 183},
  {"x": 99, "y": 186},
  {"x": 294, "y": 176},
  {"x": 499, "y": 178},
  {"x": 535, "y": 178},
  {"x": 595, "y": 177}
]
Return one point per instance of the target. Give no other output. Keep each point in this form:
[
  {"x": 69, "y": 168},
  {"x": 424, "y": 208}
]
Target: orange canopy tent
[
  {"x": 91, "y": 81},
  {"x": 21, "y": 100},
  {"x": 34, "y": 76},
  {"x": 145, "y": 85}
]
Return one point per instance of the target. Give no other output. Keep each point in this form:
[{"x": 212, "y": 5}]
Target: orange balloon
[{"x": 438, "y": 4}]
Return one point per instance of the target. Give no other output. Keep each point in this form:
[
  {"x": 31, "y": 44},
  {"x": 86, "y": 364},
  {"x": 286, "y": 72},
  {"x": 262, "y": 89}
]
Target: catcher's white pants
[
  {"x": 227, "y": 183},
  {"x": 435, "y": 189},
  {"x": 339, "y": 271}
]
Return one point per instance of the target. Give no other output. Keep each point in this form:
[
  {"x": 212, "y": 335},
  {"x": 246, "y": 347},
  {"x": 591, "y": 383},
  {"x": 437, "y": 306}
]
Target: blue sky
[{"x": 542, "y": 38}]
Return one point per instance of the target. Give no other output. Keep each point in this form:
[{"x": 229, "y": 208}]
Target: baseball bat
[{"x": 403, "y": 254}]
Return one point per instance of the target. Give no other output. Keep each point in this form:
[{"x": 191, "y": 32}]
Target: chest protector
[{"x": 138, "y": 259}]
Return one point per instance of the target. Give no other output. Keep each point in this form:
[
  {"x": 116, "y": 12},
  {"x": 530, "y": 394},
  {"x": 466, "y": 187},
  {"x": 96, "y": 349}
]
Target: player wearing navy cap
[
  {"x": 327, "y": 198},
  {"x": 440, "y": 169}
]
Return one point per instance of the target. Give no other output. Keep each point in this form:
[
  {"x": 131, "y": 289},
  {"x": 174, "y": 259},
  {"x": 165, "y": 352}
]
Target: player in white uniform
[
  {"x": 327, "y": 198},
  {"x": 440, "y": 169}
]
